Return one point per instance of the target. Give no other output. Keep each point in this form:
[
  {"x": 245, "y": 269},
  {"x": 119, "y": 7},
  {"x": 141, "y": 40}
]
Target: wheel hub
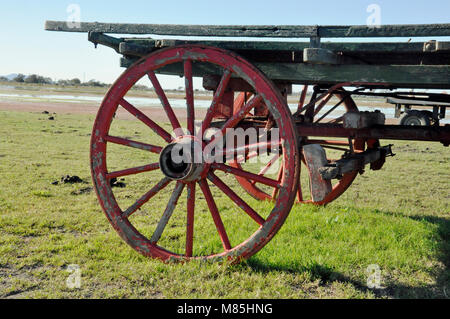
[{"x": 182, "y": 160}]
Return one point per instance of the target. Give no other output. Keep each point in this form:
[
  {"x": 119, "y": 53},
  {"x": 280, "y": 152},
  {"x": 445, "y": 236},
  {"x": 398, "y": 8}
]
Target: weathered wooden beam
[
  {"x": 315, "y": 158},
  {"x": 405, "y": 30},
  {"x": 442, "y": 46},
  {"x": 274, "y": 31},
  {"x": 408, "y": 76},
  {"x": 321, "y": 56},
  {"x": 429, "y": 53},
  {"x": 400, "y": 76},
  {"x": 371, "y": 47},
  {"x": 421, "y": 102},
  {"x": 127, "y": 62},
  {"x": 211, "y": 83},
  {"x": 127, "y": 48},
  {"x": 100, "y": 38}
]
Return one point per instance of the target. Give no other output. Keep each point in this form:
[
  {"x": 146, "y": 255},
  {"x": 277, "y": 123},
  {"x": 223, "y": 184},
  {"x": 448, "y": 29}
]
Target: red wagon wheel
[
  {"x": 339, "y": 146},
  {"x": 159, "y": 222}
]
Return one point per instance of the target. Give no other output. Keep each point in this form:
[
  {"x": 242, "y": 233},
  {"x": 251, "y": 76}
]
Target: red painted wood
[
  {"x": 165, "y": 102},
  {"x": 215, "y": 214},
  {"x": 133, "y": 171},
  {"x": 338, "y": 189},
  {"x": 190, "y": 219},
  {"x": 235, "y": 198},
  {"x": 121, "y": 221},
  {"x": 189, "y": 96},
  {"x": 144, "y": 118}
]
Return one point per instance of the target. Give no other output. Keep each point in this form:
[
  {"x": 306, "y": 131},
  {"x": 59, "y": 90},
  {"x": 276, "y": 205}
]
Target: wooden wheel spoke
[
  {"x": 167, "y": 212},
  {"x": 237, "y": 117},
  {"x": 130, "y": 143},
  {"x": 215, "y": 214},
  {"x": 165, "y": 103},
  {"x": 223, "y": 84},
  {"x": 190, "y": 219},
  {"x": 246, "y": 151},
  {"x": 146, "y": 120},
  {"x": 330, "y": 110},
  {"x": 235, "y": 198},
  {"x": 146, "y": 197},
  {"x": 322, "y": 104},
  {"x": 189, "y": 96},
  {"x": 301, "y": 101},
  {"x": 264, "y": 170},
  {"x": 299, "y": 193},
  {"x": 280, "y": 176},
  {"x": 247, "y": 175},
  {"x": 133, "y": 171}
]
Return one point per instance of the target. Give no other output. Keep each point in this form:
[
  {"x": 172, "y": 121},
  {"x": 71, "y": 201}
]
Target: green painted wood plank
[
  {"x": 404, "y": 76},
  {"x": 280, "y": 31},
  {"x": 408, "y": 76},
  {"x": 300, "y": 46},
  {"x": 369, "y": 47}
]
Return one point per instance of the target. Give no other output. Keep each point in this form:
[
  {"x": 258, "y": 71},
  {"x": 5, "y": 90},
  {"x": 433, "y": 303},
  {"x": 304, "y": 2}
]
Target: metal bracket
[{"x": 355, "y": 162}]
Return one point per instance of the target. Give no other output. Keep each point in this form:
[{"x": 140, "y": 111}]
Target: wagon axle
[{"x": 182, "y": 160}]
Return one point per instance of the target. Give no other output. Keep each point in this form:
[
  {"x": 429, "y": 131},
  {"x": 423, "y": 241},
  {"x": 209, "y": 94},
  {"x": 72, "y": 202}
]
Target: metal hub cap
[{"x": 182, "y": 160}]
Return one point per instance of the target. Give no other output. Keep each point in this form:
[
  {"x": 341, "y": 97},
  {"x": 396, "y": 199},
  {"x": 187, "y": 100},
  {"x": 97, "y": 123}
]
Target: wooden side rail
[{"x": 273, "y": 31}]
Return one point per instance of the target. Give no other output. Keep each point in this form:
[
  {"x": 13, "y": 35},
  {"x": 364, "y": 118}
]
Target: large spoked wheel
[
  {"x": 212, "y": 220},
  {"x": 335, "y": 150}
]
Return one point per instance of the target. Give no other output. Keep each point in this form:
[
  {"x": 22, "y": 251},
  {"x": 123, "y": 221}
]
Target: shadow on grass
[{"x": 326, "y": 275}]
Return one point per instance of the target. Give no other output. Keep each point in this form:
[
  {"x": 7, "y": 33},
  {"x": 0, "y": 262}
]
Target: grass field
[{"x": 397, "y": 218}]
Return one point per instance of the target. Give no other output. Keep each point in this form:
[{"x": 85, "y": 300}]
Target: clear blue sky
[{"x": 27, "y": 48}]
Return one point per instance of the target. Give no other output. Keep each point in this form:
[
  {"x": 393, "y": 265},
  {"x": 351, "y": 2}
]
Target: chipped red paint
[
  {"x": 265, "y": 90},
  {"x": 190, "y": 219}
]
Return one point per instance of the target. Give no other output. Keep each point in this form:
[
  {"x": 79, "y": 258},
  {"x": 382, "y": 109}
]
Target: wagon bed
[{"x": 407, "y": 64}]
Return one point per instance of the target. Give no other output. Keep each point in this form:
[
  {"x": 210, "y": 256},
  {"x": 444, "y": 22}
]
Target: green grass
[{"x": 397, "y": 218}]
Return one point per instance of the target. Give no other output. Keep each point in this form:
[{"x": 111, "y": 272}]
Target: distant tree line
[{"x": 38, "y": 79}]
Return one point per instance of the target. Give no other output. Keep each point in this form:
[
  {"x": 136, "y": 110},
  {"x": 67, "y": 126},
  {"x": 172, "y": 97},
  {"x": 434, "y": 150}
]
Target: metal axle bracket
[{"x": 354, "y": 162}]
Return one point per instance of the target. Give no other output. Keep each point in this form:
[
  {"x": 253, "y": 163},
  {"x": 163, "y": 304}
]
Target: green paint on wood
[
  {"x": 320, "y": 56},
  {"x": 405, "y": 76}
]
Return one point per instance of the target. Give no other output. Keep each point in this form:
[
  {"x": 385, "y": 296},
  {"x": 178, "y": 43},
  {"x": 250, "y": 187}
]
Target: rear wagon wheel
[{"x": 262, "y": 192}]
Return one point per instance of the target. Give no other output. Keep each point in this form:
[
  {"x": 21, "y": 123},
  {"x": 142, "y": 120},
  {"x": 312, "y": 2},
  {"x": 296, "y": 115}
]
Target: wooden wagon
[{"x": 251, "y": 81}]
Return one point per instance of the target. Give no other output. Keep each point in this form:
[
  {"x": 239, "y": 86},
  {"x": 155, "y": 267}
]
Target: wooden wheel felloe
[
  {"x": 337, "y": 146},
  {"x": 184, "y": 190}
]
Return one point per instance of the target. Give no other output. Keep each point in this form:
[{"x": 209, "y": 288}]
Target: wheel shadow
[{"x": 326, "y": 275}]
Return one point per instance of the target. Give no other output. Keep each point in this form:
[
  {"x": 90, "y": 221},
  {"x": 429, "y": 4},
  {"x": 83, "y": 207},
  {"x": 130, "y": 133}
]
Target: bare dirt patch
[{"x": 155, "y": 113}]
